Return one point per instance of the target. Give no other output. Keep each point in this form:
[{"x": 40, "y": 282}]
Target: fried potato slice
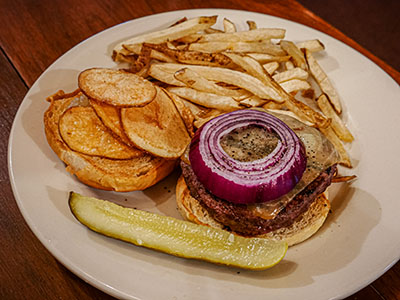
[
  {"x": 157, "y": 127},
  {"x": 323, "y": 81},
  {"x": 337, "y": 124},
  {"x": 82, "y": 131},
  {"x": 110, "y": 116},
  {"x": 116, "y": 87}
]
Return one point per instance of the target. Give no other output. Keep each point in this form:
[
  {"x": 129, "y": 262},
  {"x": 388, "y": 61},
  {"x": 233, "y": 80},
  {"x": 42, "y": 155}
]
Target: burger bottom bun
[
  {"x": 302, "y": 229},
  {"x": 120, "y": 175}
]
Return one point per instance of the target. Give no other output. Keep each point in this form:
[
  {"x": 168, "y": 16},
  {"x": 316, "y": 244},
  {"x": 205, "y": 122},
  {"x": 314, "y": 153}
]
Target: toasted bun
[
  {"x": 303, "y": 228},
  {"x": 120, "y": 175}
]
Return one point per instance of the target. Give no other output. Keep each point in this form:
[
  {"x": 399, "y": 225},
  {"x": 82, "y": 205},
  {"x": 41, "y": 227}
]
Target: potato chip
[
  {"x": 116, "y": 87},
  {"x": 82, "y": 131},
  {"x": 157, "y": 127}
]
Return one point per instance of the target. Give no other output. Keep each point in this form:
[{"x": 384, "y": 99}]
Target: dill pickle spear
[{"x": 176, "y": 237}]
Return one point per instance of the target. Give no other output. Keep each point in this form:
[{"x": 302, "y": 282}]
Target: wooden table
[{"x": 33, "y": 34}]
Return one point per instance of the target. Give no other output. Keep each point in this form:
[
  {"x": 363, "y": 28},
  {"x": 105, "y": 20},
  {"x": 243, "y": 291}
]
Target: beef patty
[{"x": 237, "y": 218}]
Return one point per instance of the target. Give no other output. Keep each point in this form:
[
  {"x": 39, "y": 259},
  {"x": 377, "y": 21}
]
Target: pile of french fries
[{"x": 209, "y": 71}]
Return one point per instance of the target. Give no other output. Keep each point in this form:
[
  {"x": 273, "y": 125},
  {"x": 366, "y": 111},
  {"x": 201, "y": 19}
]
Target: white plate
[{"x": 358, "y": 243}]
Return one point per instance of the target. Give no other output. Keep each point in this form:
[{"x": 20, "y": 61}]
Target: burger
[{"x": 258, "y": 173}]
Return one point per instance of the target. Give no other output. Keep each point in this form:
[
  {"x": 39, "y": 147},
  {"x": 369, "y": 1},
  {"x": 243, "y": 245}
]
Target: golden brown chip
[
  {"x": 110, "y": 116},
  {"x": 116, "y": 87},
  {"x": 157, "y": 127},
  {"x": 82, "y": 131}
]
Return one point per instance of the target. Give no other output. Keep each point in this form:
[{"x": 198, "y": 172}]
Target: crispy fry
[
  {"x": 295, "y": 53},
  {"x": 339, "y": 178},
  {"x": 261, "y": 34},
  {"x": 223, "y": 103},
  {"x": 252, "y": 25},
  {"x": 271, "y": 67},
  {"x": 296, "y": 106},
  {"x": 263, "y": 58},
  {"x": 323, "y": 81},
  {"x": 229, "y": 26},
  {"x": 311, "y": 45},
  {"x": 296, "y": 73},
  {"x": 332, "y": 137},
  {"x": 337, "y": 124},
  {"x": 289, "y": 65},
  {"x": 295, "y": 85},
  {"x": 172, "y": 33},
  {"x": 240, "y": 79},
  {"x": 192, "y": 57},
  {"x": 194, "y": 80},
  {"x": 260, "y": 47}
]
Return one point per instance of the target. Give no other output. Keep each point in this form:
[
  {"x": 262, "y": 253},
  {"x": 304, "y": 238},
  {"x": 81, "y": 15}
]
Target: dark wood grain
[{"x": 37, "y": 33}]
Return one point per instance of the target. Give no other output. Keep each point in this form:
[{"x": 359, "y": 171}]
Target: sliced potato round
[
  {"x": 157, "y": 127},
  {"x": 82, "y": 131},
  {"x": 110, "y": 116},
  {"x": 116, "y": 87}
]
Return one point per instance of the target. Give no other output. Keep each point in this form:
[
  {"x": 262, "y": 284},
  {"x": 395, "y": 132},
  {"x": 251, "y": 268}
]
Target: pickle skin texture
[{"x": 176, "y": 237}]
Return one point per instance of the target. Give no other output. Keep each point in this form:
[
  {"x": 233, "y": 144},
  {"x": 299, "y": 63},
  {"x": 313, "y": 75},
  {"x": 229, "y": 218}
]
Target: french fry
[
  {"x": 289, "y": 65},
  {"x": 298, "y": 107},
  {"x": 192, "y": 57},
  {"x": 260, "y": 47},
  {"x": 296, "y": 73},
  {"x": 236, "y": 78},
  {"x": 294, "y": 85},
  {"x": 332, "y": 137},
  {"x": 261, "y": 34},
  {"x": 223, "y": 103},
  {"x": 295, "y": 53},
  {"x": 271, "y": 67},
  {"x": 163, "y": 74},
  {"x": 210, "y": 115},
  {"x": 311, "y": 45},
  {"x": 253, "y": 101},
  {"x": 252, "y": 25},
  {"x": 274, "y": 105},
  {"x": 198, "y": 82},
  {"x": 337, "y": 124},
  {"x": 229, "y": 26},
  {"x": 263, "y": 58},
  {"x": 339, "y": 178},
  {"x": 323, "y": 81},
  {"x": 255, "y": 69},
  {"x": 171, "y": 33}
]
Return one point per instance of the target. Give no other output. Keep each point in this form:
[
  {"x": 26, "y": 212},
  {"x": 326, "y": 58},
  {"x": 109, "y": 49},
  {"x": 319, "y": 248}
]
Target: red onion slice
[{"x": 245, "y": 182}]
